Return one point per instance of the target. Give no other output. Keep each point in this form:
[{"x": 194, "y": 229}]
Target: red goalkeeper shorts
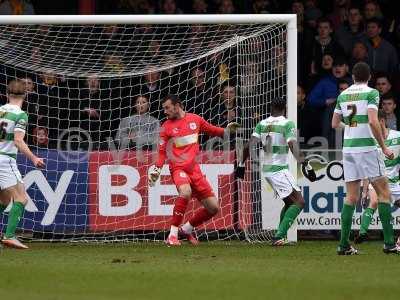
[{"x": 201, "y": 189}]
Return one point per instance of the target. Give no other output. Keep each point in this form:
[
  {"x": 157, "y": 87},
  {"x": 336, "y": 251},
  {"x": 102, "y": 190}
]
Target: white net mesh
[{"x": 94, "y": 106}]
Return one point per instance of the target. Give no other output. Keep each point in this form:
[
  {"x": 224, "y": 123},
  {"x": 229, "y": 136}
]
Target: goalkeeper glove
[
  {"x": 232, "y": 127},
  {"x": 240, "y": 170},
  {"x": 308, "y": 171},
  {"x": 154, "y": 174}
]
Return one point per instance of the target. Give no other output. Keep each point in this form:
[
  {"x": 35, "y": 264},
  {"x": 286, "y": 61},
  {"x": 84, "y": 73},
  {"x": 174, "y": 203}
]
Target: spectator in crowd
[
  {"x": 113, "y": 63},
  {"x": 199, "y": 6},
  {"x": 383, "y": 84},
  {"x": 140, "y": 130},
  {"x": 372, "y": 10},
  {"x": 169, "y": 7},
  {"x": 263, "y": 6},
  {"x": 322, "y": 44},
  {"x": 151, "y": 86},
  {"x": 339, "y": 13},
  {"x": 16, "y": 7},
  {"x": 136, "y": 7},
  {"x": 305, "y": 117},
  {"x": 40, "y": 137},
  {"x": 324, "y": 70},
  {"x": 351, "y": 31},
  {"x": 389, "y": 107},
  {"x": 226, "y": 7},
  {"x": 198, "y": 95},
  {"x": 311, "y": 13},
  {"x": 382, "y": 56},
  {"x": 359, "y": 53},
  {"x": 343, "y": 84},
  {"x": 95, "y": 111},
  {"x": 323, "y": 96}
]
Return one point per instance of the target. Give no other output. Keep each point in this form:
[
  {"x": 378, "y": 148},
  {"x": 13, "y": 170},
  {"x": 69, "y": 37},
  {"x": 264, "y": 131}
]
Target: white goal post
[{"x": 89, "y": 73}]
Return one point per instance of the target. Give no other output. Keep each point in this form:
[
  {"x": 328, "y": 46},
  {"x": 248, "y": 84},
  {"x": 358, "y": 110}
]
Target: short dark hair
[
  {"x": 174, "y": 99},
  {"x": 343, "y": 81},
  {"x": 389, "y": 96},
  {"x": 361, "y": 72},
  {"x": 278, "y": 104},
  {"x": 376, "y": 21},
  {"x": 324, "y": 20}
]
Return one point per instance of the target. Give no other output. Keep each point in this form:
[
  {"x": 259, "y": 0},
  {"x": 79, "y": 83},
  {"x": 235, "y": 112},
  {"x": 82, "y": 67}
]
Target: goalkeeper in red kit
[{"x": 179, "y": 141}]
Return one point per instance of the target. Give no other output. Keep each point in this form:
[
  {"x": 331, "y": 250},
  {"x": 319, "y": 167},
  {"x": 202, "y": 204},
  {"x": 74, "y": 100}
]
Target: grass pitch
[{"x": 220, "y": 270}]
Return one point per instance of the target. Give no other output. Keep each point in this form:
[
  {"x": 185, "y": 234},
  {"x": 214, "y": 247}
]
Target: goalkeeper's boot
[
  {"x": 360, "y": 238},
  {"x": 191, "y": 237},
  {"x": 349, "y": 250},
  {"x": 172, "y": 240},
  {"x": 13, "y": 243},
  {"x": 278, "y": 241},
  {"x": 391, "y": 249}
]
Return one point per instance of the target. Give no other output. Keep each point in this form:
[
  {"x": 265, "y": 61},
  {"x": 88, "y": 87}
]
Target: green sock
[
  {"x": 13, "y": 219},
  {"x": 290, "y": 215},
  {"x": 283, "y": 211},
  {"x": 366, "y": 219},
  {"x": 385, "y": 214},
  {"x": 2, "y": 208},
  {"x": 346, "y": 220}
]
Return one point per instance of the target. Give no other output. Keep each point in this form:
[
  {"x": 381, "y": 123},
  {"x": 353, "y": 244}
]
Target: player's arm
[
  {"x": 291, "y": 139},
  {"x": 337, "y": 117},
  {"x": 19, "y": 135},
  {"x": 373, "y": 121},
  {"x": 154, "y": 174},
  {"x": 212, "y": 130},
  {"x": 240, "y": 168}
]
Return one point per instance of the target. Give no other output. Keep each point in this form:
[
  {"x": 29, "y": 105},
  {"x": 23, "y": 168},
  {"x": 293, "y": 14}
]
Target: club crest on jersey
[
  {"x": 183, "y": 174},
  {"x": 192, "y": 126},
  {"x": 175, "y": 130}
]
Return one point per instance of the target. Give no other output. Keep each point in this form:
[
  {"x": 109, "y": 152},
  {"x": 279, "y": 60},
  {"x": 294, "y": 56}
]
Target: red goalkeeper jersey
[{"x": 179, "y": 140}]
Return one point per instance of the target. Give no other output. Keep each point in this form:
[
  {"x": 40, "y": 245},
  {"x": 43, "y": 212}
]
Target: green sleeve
[
  {"x": 257, "y": 130},
  {"x": 21, "y": 122},
  {"x": 373, "y": 98},
  {"x": 290, "y": 131}
]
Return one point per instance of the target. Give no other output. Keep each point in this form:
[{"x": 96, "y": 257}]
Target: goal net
[{"x": 93, "y": 100}]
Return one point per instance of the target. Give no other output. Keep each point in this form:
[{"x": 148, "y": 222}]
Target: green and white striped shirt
[
  {"x": 275, "y": 133},
  {"x": 12, "y": 118},
  {"x": 353, "y": 104},
  {"x": 393, "y": 165}
]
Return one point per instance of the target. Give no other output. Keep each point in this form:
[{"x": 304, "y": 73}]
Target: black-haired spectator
[
  {"x": 359, "y": 53},
  {"x": 339, "y": 13},
  {"x": 323, "y": 96},
  {"x": 140, "y": 130},
  {"x": 323, "y": 43},
  {"x": 226, "y": 7},
  {"x": 372, "y": 10},
  {"x": 16, "y": 7},
  {"x": 306, "y": 117},
  {"x": 343, "y": 84},
  {"x": 389, "y": 107},
  {"x": 351, "y": 31},
  {"x": 383, "y": 84},
  {"x": 311, "y": 13},
  {"x": 199, "y": 6},
  {"x": 263, "y": 6},
  {"x": 382, "y": 56},
  {"x": 169, "y": 7}
]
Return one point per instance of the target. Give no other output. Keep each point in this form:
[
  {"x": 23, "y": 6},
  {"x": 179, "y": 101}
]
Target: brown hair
[
  {"x": 16, "y": 88},
  {"x": 361, "y": 72}
]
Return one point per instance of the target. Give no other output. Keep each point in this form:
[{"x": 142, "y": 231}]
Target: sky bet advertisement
[
  {"x": 323, "y": 198},
  {"x": 108, "y": 192}
]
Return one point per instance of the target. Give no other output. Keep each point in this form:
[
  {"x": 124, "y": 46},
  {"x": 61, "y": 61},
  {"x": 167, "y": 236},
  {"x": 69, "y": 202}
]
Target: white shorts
[
  {"x": 395, "y": 191},
  {"x": 282, "y": 183},
  {"x": 358, "y": 166},
  {"x": 9, "y": 173}
]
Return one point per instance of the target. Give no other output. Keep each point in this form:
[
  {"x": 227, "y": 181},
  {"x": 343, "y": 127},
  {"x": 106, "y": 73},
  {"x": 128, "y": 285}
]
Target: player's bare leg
[
  {"x": 210, "y": 208},
  {"x": 385, "y": 214},
  {"x": 368, "y": 213},
  {"x": 353, "y": 193},
  {"x": 294, "y": 203},
  {"x": 185, "y": 194},
  {"x": 17, "y": 193}
]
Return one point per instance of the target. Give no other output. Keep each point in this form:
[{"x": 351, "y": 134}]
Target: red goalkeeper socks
[
  {"x": 179, "y": 211},
  {"x": 200, "y": 217}
]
